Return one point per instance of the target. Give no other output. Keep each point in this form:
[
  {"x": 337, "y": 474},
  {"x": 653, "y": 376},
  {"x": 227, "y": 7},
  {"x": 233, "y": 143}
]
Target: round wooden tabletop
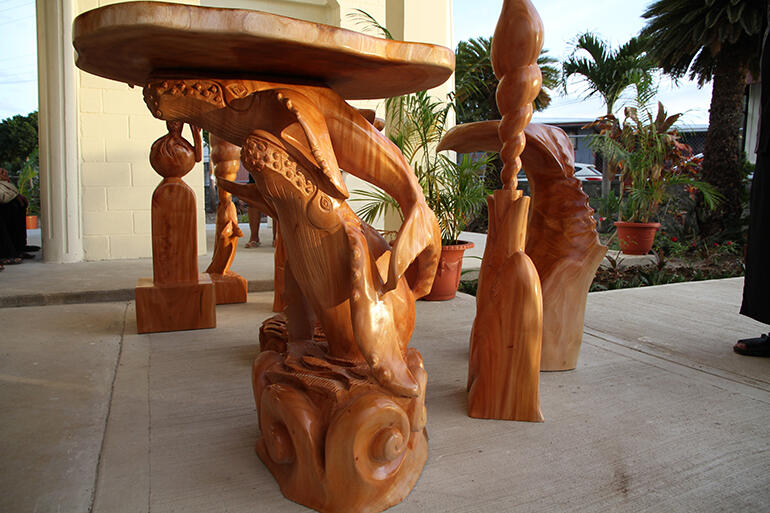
[{"x": 132, "y": 41}]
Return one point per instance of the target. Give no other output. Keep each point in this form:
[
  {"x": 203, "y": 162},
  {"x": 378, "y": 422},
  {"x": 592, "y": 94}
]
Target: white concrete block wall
[
  {"x": 117, "y": 181},
  {"x": 115, "y": 129}
]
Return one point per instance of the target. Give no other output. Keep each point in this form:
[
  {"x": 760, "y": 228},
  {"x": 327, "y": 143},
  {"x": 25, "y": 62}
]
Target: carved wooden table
[{"x": 341, "y": 412}]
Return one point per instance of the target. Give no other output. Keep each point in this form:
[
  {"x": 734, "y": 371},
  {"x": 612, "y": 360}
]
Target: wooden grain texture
[
  {"x": 342, "y": 424},
  {"x": 279, "y": 265},
  {"x": 334, "y": 439},
  {"x": 176, "y": 306},
  {"x": 561, "y": 238},
  {"x": 516, "y": 46},
  {"x": 561, "y": 241},
  {"x": 230, "y": 286},
  {"x": 504, "y": 363},
  {"x": 179, "y": 298},
  {"x": 130, "y": 42}
]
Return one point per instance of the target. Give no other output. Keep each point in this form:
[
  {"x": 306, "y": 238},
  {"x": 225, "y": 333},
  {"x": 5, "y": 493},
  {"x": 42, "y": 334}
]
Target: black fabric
[
  {"x": 13, "y": 229},
  {"x": 756, "y": 288}
]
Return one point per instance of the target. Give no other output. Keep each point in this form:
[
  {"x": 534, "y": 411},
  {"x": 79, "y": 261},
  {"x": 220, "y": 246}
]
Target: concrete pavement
[
  {"x": 34, "y": 283},
  {"x": 660, "y": 414}
]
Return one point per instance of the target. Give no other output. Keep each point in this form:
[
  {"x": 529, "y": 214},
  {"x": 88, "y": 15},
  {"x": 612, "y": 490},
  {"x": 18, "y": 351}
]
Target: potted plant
[
  {"x": 29, "y": 187},
  {"x": 455, "y": 191},
  {"x": 650, "y": 158}
]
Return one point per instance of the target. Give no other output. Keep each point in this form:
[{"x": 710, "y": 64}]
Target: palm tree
[
  {"x": 719, "y": 41},
  {"x": 606, "y": 71},
  {"x": 476, "y": 84}
]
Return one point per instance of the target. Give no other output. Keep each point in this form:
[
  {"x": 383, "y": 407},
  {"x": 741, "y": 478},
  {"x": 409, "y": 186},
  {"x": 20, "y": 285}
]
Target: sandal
[
  {"x": 252, "y": 244},
  {"x": 32, "y": 248},
  {"x": 10, "y": 261},
  {"x": 26, "y": 256},
  {"x": 759, "y": 346}
]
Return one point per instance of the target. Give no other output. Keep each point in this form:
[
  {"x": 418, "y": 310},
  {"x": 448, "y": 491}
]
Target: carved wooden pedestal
[
  {"x": 230, "y": 287},
  {"x": 177, "y": 297},
  {"x": 504, "y": 363},
  {"x": 342, "y": 421},
  {"x": 562, "y": 242},
  {"x": 334, "y": 439}
]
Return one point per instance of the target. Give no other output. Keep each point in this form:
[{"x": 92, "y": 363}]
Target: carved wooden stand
[
  {"x": 503, "y": 373},
  {"x": 342, "y": 421},
  {"x": 561, "y": 238},
  {"x": 335, "y": 439},
  {"x": 562, "y": 243},
  {"x": 177, "y": 297},
  {"x": 230, "y": 287}
]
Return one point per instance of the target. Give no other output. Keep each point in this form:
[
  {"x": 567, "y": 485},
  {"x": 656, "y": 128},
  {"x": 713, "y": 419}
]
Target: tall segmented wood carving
[{"x": 503, "y": 375}]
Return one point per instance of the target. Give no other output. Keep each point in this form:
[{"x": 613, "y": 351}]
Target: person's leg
[{"x": 254, "y": 218}]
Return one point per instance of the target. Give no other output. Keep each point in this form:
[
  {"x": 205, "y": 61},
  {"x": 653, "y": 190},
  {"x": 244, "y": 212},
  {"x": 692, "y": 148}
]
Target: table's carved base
[
  {"x": 230, "y": 287},
  {"x": 175, "y": 307},
  {"x": 333, "y": 438}
]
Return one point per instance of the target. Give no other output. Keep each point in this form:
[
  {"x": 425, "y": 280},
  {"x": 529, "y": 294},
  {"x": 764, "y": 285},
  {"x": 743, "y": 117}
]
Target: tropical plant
[
  {"x": 651, "y": 161},
  {"x": 454, "y": 191},
  {"x": 607, "y": 72},
  {"x": 29, "y": 182},
  {"x": 715, "y": 40},
  {"x": 476, "y": 84},
  {"x": 18, "y": 138}
]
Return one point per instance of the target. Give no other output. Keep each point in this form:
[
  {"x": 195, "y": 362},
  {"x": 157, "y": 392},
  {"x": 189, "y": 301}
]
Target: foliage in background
[
  {"x": 605, "y": 71},
  {"x": 608, "y": 72},
  {"x": 476, "y": 84},
  {"x": 651, "y": 161},
  {"x": 453, "y": 190},
  {"x": 18, "y": 139},
  {"x": 28, "y": 182},
  {"x": 715, "y": 40}
]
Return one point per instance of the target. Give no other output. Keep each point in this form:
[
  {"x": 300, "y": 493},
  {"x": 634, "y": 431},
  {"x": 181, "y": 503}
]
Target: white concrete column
[{"x": 61, "y": 230}]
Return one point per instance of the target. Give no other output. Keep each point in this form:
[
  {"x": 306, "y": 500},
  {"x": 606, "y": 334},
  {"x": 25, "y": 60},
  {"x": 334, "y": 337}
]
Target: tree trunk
[{"x": 722, "y": 155}]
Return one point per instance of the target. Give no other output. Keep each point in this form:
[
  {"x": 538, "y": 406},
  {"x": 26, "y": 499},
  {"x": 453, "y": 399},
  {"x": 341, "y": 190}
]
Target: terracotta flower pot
[
  {"x": 32, "y": 222},
  {"x": 450, "y": 266},
  {"x": 636, "y": 238}
]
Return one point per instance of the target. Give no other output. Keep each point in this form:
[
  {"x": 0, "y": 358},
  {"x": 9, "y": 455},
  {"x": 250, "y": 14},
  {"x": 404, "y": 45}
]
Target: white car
[{"x": 583, "y": 172}]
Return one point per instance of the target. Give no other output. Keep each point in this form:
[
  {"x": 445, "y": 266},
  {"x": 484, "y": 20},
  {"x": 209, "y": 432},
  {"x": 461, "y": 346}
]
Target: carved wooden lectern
[{"x": 342, "y": 415}]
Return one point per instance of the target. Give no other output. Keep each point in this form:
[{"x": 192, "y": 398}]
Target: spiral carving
[
  {"x": 367, "y": 440},
  {"x": 515, "y": 64},
  {"x": 292, "y": 438}
]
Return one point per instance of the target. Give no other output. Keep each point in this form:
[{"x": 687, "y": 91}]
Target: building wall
[{"x": 96, "y": 179}]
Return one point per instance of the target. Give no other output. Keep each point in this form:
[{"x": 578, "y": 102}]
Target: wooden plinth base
[
  {"x": 333, "y": 438},
  {"x": 230, "y": 287},
  {"x": 175, "y": 307}
]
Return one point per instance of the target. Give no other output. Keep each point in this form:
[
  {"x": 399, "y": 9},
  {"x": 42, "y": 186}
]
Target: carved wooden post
[
  {"x": 504, "y": 366},
  {"x": 230, "y": 287},
  {"x": 177, "y": 297}
]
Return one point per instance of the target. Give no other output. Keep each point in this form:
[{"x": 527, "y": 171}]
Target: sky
[{"x": 614, "y": 20}]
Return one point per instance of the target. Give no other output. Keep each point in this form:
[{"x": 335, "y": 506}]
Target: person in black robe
[{"x": 756, "y": 287}]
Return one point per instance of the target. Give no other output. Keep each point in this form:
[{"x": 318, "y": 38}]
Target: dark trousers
[
  {"x": 756, "y": 285},
  {"x": 13, "y": 229}
]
